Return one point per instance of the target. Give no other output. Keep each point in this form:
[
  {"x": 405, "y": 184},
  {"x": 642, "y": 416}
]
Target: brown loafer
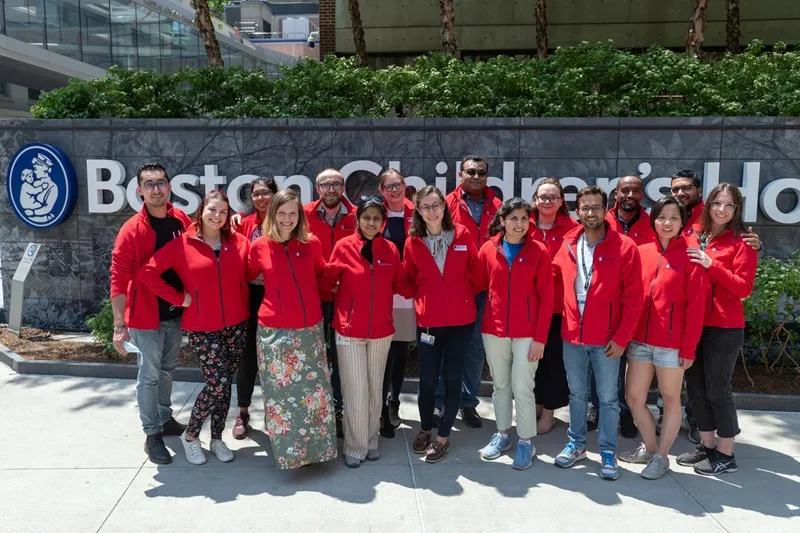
[
  {"x": 421, "y": 442},
  {"x": 437, "y": 451},
  {"x": 240, "y": 427}
]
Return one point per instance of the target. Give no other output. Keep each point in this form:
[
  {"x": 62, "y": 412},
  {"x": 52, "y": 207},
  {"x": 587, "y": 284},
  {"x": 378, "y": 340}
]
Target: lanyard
[{"x": 587, "y": 273}]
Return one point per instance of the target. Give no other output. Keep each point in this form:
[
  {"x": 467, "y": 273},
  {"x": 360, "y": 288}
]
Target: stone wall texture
[{"x": 70, "y": 277}]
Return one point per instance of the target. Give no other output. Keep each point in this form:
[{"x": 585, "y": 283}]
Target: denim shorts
[{"x": 663, "y": 357}]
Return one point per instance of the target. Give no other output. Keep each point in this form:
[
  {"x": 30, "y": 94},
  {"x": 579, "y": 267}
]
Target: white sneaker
[
  {"x": 193, "y": 450},
  {"x": 221, "y": 450}
]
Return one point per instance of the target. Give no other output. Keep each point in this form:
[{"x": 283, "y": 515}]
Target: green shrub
[
  {"x": 588, "y": 80},
  {"x": 102, "y": 326}
]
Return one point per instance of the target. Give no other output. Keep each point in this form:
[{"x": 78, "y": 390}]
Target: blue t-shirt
[{"x": 511, "y": 250}]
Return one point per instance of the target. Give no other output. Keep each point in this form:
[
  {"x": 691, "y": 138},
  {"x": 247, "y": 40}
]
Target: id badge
[
  {"x": 427, "y": 339},
  {"x": 342, "y": 341}
]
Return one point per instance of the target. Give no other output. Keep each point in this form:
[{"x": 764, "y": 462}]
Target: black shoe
[
  {"x": 693, "y": 432},
  {"x": 394, "y": 414},
  {"x": 339, "y": 425},
  {"x": 717, "y": 463},
  {"x": 591, "y": 418},
  {"x": 471, "y": 418},
  {"x": 155, "y": 449},
  {"x": 172, "y": 428},
  {"x": 387, "y": 430},
  {"x": 693, "y": 457},
  {"x": 627, "y": 427},
  {"x": 437, "y": 417}
]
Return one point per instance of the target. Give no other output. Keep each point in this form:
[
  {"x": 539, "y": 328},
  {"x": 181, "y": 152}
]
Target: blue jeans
[
  {"x": 473, "y": 363},
  {"x": 160, "y": 348},
  {"x": 579, "y": 362},
  {"x": 623, "y": 404}
]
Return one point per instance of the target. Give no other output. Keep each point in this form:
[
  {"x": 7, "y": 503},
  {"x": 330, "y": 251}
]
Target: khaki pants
[
  {"x": 361, "y": 365},
  {"x": 514, "y": 378}
]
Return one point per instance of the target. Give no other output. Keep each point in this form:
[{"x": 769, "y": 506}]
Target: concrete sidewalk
[{"x": 72, "y": 461}]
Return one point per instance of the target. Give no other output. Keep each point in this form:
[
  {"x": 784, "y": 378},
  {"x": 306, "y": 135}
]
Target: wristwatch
[{"x": 120, "y": 328}]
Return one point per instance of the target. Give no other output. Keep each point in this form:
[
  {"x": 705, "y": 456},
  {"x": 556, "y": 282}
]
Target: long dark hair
[
  {"x": 564, "y": 210},
  {"x": 367, "y": 202},
  {"x": 225, "y": 230},
  {"x": 418, "y": 226},
  {"x": 736, "y": 223},
  {"x": 661, "y": 204},
  {"x": 508, "y": 206}
]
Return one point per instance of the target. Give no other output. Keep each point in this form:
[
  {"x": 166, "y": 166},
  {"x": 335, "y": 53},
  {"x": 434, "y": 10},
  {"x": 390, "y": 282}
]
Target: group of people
[{"x": 321, "y": 301}]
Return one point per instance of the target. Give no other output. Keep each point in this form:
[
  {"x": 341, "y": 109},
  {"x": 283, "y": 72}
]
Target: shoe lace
[
  {"x": 569, "y": 449},
  {"x": 608, "y": 458},
  {"x": 524, "y": 450},
  {"x": 497, "y": 440}
]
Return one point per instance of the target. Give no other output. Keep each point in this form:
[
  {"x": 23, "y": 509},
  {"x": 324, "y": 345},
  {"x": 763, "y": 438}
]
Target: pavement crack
[
  {"x": 703, "y": 507},
  {"x": 414, "y": 481},
  {"x": 124, "y": 492}
]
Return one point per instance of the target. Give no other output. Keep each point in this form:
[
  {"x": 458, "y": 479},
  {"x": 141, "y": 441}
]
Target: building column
[{"x": 327, "y": 28}]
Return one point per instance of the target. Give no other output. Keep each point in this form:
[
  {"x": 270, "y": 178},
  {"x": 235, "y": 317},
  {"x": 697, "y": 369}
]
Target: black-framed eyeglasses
[
  {"x": 596, "y": 208},
  {"x": 472, "y": 172},
  {"x": 394, "y": 186},
  {"x": 432, "y": 208},
  {"x": 548, "y": 199},
  {"x": 161, "y": 185},
  {"x": 683, "y": 188},
  {"x": 336, "y": 186}
]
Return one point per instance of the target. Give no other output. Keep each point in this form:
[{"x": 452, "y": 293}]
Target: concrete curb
[{"x": 744, "y": 401}]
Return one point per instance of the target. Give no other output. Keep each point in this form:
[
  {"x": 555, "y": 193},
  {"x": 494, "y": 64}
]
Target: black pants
[
  {"x": 551, "y": 388},
  {"x": 248, "y": 366},
  {"x": 447, "y": 353},
  {"x": 708, "y": 381},
  {"x": 333, "y": 359},
  {"x": 395, "y": 372}
]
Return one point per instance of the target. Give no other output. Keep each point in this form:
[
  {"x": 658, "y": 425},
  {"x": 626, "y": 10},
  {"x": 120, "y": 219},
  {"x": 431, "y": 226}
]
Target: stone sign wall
[{"x": 70, "y": 277}]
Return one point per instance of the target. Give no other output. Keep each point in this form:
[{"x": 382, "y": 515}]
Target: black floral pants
[{"x": 219, "y": 353}]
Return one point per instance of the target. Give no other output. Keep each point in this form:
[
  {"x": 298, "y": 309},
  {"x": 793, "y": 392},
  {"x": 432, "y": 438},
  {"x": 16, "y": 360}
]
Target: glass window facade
[{"x": 114, "y": 32}]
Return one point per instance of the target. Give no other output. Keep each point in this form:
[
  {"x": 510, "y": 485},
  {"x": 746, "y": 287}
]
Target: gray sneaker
[
  {"x": 656, "y": 468},
  {"x": 638, "y": 456}
]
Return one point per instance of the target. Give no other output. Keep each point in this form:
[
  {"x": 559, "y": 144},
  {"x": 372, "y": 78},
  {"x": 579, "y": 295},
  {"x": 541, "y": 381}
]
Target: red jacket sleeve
[
  {"x": 740, "y": 280},
  {"x": 472, "y": 266},
  {"x": 400, "y": 281},
  {"x": 123, "y": 259},
  {"x": 632, "y": 295},
  {"x": 410, "y": 266},
  {"x": 696, "y": 292},
  {"x": 333, "y": 271},
  {"x": 480, "y": 272},
  {"x": 162, "y": 260},
  {"x": 543, "y": 287}
]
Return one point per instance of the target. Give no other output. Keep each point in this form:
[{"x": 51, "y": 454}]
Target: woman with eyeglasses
[
  {"x": 440, "y": 259},
  {"x": 211, "y": 262},
  {"x": 666, "y": 338},
  {"x": 295, "y": 381},
  {"x": 717, "y": 245},
  {"x": 550, "y": 221},
  {"x": 516, "y": 270},
  {"x": 400, "y": 213},
  {"x": 366, "y": 271},
  {"x": 261, "y": 191}
]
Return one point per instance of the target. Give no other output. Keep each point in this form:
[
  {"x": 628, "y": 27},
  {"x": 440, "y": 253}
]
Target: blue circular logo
[{"x": 41, "y": 184}]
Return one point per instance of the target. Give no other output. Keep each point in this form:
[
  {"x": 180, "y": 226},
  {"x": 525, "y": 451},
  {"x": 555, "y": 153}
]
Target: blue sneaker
[
  {"x": 608, "y": 469},
  {"x": 569, "y": 456},
  {"x": 524, "y": 457},
  {"x": 499, "y": 444}
]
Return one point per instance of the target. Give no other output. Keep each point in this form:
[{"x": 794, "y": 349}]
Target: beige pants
[
  {"x": 513, "y": 376},
  {"x": 361, "y": 366}
]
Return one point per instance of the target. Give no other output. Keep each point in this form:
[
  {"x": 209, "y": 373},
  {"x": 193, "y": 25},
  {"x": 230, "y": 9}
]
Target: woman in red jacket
[
  {"x": 368, "y": 271},
  {"x": 550, "y": 221},
  {"x": 518, "y": 274},
  {"x": 295, "y": 383},
  {"x": 717, "y": 246},
  {"x": 667, "y": 335},
  {"x": 440, "y": 258},
  {"x": 211, "y": 261},
  {"x": 262, "y": 189}
]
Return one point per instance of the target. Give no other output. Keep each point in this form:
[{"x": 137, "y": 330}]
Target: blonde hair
[{"x": 270, "y": 227}]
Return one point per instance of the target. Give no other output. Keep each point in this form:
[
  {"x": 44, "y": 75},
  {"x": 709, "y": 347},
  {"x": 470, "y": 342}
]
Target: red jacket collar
[
  {"x": 614, "y": 210},
  {"x": 574, "y": 234},
  {"x": 315, "y": 207},
  {"x": 561, "y": 219},
  {"x": 144, "y": 216},
  {"x": 488, "y": 194}
]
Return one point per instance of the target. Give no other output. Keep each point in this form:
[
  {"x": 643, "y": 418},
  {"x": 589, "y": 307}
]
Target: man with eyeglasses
[
  {"x": 150, "y": 323},
  {"x": 474, "y": 205},
  {"x": 331, "y": 218},
  {"x": 603, "y": 298}
]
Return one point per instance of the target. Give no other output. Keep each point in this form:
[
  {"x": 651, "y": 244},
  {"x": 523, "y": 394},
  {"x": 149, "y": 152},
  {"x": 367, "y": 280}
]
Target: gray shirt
[
  {"x": 585, "y": 262},
  {"x": 475, "y": 207},
  {"x": 438, "y": 246}
]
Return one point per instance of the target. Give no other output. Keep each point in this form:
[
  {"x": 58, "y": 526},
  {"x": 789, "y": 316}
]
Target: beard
[{"x": 331, "y": 201}]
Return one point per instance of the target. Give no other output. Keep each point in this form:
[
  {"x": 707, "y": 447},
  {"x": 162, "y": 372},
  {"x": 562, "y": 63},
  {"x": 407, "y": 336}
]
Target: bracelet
[{"x": 120, "y": 328}]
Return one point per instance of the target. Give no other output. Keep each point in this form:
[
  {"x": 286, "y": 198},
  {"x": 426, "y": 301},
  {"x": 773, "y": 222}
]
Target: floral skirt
[{"x": 298, "y": 402}]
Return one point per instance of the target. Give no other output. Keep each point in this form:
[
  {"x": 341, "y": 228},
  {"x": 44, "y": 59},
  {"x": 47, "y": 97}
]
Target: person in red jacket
[
  {"x": 366, "y": 271},
  {"x": 474, "y": 206},
  {"x": 330, "y": 219},
  {"x": 667, "y": 335},
  {"x": 150, "y": 323},
  {"x": 211, "y": 262},
  {"x": 440, "y": 258},
  {"x": 603, "y": 296},
  {"x": 295, "y": 382},
  {"x": 717, "y": 245},
  {"x": 516, "y": 271},
  {"x": 687, "y": 186},
  {"x": 262, "y": 189},
  {"x": 550, "y": 221},
  {"x": 400, "y": 214}
]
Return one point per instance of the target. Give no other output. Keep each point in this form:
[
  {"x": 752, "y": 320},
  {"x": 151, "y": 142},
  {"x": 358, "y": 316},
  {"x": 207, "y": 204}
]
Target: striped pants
[{"x": 361, "y": 366}]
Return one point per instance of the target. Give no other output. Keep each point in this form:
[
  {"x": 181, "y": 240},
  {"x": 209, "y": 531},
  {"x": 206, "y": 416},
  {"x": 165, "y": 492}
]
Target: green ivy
[
  {"x": 589, "y": 80},
  {"x": 102, "y": 326}
]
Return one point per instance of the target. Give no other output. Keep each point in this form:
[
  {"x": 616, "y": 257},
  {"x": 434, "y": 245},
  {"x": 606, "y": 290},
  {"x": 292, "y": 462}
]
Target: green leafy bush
[
  {"x": 589, "y": 80},
  {"x": 102, "y": 326}
]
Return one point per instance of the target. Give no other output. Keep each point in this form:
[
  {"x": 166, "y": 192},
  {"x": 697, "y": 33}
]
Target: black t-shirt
[
  {"x": 167, "y": 229},
  {"x": 396, "y": 232}
]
